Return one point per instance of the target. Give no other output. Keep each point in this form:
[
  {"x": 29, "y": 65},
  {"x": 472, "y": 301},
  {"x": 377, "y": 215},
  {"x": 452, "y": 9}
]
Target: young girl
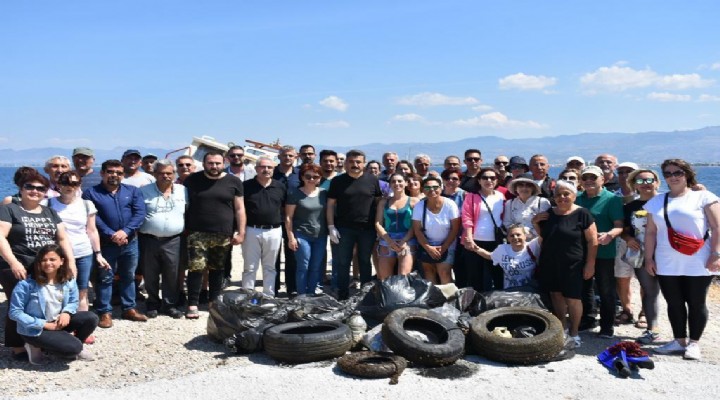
[
  {"x": 517, "y": 258},
  {"x": 45, "y": 308}
]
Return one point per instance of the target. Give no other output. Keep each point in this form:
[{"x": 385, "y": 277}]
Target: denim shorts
[
  {"x": 385, "y": 251},
  {"x": 84, "y": 267}
]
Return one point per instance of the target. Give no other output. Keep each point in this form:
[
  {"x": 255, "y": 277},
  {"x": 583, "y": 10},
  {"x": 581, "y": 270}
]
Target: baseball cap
[
  {"x": 592, "y": 169},
  {"x": 130, "y": 152},
  {"x": 150, "y": 155},
  {"x": 575, "y": 158},
  {"x": 83, "y": 151},
  {"x": 627, "y": 164}
]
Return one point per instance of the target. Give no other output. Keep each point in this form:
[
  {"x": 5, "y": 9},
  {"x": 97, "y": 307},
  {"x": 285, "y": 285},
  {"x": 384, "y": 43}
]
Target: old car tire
[
  {"x": 543, "y": 347},
  {"x": 446, "y": 348},
  {"x": 371, "y": 364},
  {"x": 307, "y": 341}
]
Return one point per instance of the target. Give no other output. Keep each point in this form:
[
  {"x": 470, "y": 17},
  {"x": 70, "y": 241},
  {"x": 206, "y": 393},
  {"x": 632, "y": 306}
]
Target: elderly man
[
  {"x": 236, "y": 166},
  {"x": 539, "y": 168},
  {"x": 350, "y": 213},
  {"x": 607, "y": 163},
  {"x": 575, "y": 162},
  {"x": 216, "y": 210},
  {"x": 185, "y": 167},
  {"x": 147, "y": 162},
  {"x": 307, "y": 154},
  {"x": 422, "y": 165},
  {"x": 54, "y": 166},
  {"x": 165, "y": 204},
  {"x": 287, "y": 174},
  {"x": 502, "y": 167},
  {"x": 340, "y": 167},
  {"x": 120, "y": 213},
  {"x": 389, "y": 161},
  {"x": 452, "y": 162},
  {"x": 264, "y": 199},
  {"x": 131, "y": 161},
  {"x": 83, "y": 159}
]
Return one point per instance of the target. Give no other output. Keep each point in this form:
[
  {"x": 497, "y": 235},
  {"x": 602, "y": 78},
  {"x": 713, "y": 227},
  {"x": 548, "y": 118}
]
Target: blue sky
[{"x": 155, "y": 73}]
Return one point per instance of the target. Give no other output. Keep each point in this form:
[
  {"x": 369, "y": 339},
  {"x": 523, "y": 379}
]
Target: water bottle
[{"x": 358, "y": 326}]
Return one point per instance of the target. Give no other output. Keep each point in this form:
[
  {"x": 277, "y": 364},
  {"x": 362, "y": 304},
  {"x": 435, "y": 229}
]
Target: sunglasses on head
[
  {"x": 676, "y": 174},
  {"x": 641, "y": 181}
]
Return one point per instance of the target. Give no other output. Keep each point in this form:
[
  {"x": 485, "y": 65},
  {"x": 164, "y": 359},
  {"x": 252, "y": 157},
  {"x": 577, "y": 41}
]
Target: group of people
[{"x": 508, "y": 225}]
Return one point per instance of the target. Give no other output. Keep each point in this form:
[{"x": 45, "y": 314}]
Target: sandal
[
  {"x": 641, "y": 321},
  {"x": 624, "y": 318},
  {"x": 192, "y": 313}
]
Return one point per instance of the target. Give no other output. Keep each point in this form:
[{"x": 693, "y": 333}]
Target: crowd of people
[{"x": 172, "y": 225}]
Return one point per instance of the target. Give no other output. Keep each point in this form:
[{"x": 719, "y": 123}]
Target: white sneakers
[
  {"x": 35, "y": 355},
  {"x": 689, "y": 352}
]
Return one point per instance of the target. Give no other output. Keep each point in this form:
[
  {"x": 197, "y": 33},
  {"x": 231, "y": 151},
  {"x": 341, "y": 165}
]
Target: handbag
[
  {"x": 423, "y": 255},
  {"x": 682, "y": 243},
  {"x": 500, "y": 231}
]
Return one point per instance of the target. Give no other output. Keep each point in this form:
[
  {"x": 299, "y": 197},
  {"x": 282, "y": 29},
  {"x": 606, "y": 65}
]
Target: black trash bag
[
  {"x": 321, "y": 307},
  {"x": 467, "y": 300},
  {"x": 514, "y": 297},
  {"x": 524, "y": 332},
  {"x": 399, "y": 291},
  {"x": 240, "y": 310},
  {"x": 249, "y": 341}
]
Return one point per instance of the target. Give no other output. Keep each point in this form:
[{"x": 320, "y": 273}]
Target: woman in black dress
[{"x": 567, "y": 255}]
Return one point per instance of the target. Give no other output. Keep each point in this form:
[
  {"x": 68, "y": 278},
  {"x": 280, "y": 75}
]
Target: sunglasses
[
  {"x": 30, "y": 187},
  {"x": 311, "y": 177},
  {"x": 476, "y": 159},
  {"x": 502, "y": 162},
  {"x": 70, "y": 183},
  {"x": 488, "y": 178},
  {"x": 641, "y": 181},
  {"x": 569, "y": 178},
  {"x": 592, "y": 178},
  {"x": 677, "y": 174},
  {"x": 184, "y": 165},
  {"x": 236, "y": 155},
  {"x": 452, "y": 179},
  {"x": 113, "y": 172},
  {"x": 433, "y": 188}
]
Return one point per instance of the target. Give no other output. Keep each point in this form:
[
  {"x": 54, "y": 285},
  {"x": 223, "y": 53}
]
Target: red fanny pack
[{"x": 682, "y": 243}]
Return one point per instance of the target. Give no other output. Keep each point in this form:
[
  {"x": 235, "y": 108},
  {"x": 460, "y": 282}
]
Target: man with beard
[
  {"x": 147, "y": 163},
  {"x": 328, "y": 165},
  {"x": 287, "y": 174},
  {"x": 607, "y": 163},
  {"x": 120, "y": 212},
  {"x": 264, "y": 198},
  {"x": 307, "y": 154},
  {"x": 55, "y": 166},
  {"x": 236, "y": 166},
  {"x": 353, "y": 197},
  {"x": 216, "y": 208},
  {"x": 165, "y": 203},
  {"x": 83, "y": 159},
  {"x": 131, "y": 162},
  {"x": 389, "y": 161}
]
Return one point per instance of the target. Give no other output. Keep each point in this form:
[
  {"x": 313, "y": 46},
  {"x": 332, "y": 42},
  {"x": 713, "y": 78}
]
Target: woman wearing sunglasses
[
  {"x": 25, "y": 227},
  {"x": 571, "y": 175},
  {"x": 436, "y": 223},
  {"x": 307, "y": 229},
  {"x": 645, "y": 183},
  {"x": 79, "y": 218},
  {"x": 685, "y": 266},
  {"x": 451, "y": 189}
]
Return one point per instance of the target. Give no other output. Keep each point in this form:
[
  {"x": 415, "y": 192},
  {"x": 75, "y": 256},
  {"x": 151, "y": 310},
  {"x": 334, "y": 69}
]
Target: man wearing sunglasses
[
  {"x": 502, "y": 167},
  {"x": 185, "y": 166},
  {"x": 307, "y": 154},
  {"x": 236, "y": 165},
  {"x": 473, "y": 162}
]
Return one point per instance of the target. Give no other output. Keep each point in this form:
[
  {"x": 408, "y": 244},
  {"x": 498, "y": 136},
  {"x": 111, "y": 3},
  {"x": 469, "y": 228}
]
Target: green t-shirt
[{"x": 606, "y": 208}]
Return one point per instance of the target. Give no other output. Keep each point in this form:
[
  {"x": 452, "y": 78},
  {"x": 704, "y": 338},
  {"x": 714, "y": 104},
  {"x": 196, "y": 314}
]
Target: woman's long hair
[{"x": 63, "y": 274}]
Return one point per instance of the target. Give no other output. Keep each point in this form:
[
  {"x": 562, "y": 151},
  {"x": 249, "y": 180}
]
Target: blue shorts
[
  {"x": 385, "y": 251},
  {"x": 84, "y": 267}
]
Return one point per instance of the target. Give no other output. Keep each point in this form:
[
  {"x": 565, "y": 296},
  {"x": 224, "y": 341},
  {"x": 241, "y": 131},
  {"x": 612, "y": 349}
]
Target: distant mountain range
[{"x": 697, "y": 146}]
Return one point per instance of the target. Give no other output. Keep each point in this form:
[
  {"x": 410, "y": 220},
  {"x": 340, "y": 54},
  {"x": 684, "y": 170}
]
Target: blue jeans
[
  {"x": 349, "y": 237},
  {"x": 123, "y": 261},
  {"x": 309, "y": 259},
  {"x": 84, "y": 267}
]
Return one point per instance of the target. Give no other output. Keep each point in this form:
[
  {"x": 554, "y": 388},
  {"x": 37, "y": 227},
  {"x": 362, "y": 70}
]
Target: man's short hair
[
  {"x": 305, "y": 146},
  {"x": 53, "y": 158},
  {"x": 162, "y": 163},
  {"x": 286, "y": 149},
  {"x": 184, "y": 157},
  {"x": 264, "y": 158},
  {"x": 536, "y": 156},
  {"x": 325, "y": 153},
  {"x": 355, "y": 153},
  {"x": 111, "y": 163},
  {"x": 212, "y": 153},
  {"x": 469, "y": 151},
  {"x": 421, "y": 156},
  {"x": 236, "y": 147},
  {"x": 389, "y": 153}
]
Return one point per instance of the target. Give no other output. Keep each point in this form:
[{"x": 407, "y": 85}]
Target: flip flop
[
  {"x": 641, "y": 322},
  {"x": 192, "y": 314}
]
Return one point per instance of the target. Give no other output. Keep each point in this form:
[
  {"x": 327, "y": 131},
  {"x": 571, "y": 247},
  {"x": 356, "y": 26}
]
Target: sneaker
[
  {"x": 692, "y": 351},
  {"x": 173, "y": 312},
  {"x": 85, "y": 355},
  {"x": 606, "y": 334},
  {"x": 673, "y": 347},
  {"x": 648, "y": 337},
  {"x": 587, "y": 324},
  {"x": 577, "y": 340},
  {"x": 151, "y": 313},
  {"x": 35, "y": 355}
]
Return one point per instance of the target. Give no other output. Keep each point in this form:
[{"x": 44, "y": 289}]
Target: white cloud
[
  {"x": 715, "y": 66},
  {"x": 665, "y": 96},
  {"x": 497, "y": 120},
  {"x": 330, "y": 124},
  {"x": 335, "y": 103},
  {"x": 708, "y": 97},
  {"x": 482, "y": 107},
  {"x": 412, "y": 117},
  {"x": 521, "y": 81},
  {"x": 428, "y": 99},
  {"x": 618, "y": 78}
]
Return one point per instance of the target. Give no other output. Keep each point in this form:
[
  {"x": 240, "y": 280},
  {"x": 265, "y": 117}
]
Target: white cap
[
  {"x": 575, "y": 158},
  {"x": 628, "y": 164}
]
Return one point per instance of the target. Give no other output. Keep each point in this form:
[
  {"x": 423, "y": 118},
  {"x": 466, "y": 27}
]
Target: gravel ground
[{"x": 166, "y": 358}]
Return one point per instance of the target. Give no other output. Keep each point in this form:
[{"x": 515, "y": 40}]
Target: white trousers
[{"x": 260, "y": 248}]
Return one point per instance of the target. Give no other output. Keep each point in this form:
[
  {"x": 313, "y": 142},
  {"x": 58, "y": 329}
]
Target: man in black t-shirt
[
  {"x": 264, "y": 201},
  {"x": 215, "y": 221},
  {"x": 352, "y": 199}
]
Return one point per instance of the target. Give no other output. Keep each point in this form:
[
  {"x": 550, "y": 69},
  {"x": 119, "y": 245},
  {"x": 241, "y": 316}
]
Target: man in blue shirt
[{"x": 121, "y": 211}]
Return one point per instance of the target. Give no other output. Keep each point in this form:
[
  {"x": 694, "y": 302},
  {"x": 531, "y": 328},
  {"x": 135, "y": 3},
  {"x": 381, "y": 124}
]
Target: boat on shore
[{"x": 201, "y": 145}]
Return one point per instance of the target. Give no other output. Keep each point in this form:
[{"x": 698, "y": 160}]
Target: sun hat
[
  {"x": 631, "y": 177},
  {"x": 527, "y": 178},
  {"x": 591, "y": 169},
  {"x": 518, "y": 161},
  {"x": 575, "y": 158}
]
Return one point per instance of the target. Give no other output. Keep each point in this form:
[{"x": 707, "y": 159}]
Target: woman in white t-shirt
[
  {"x": 684, "y": 279},
  {"x": 79, "y": 218},
  {"x": 517, "y": 258},
  {"x": 526, "y": 204},
  {"x": 436, "y": 223}
]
